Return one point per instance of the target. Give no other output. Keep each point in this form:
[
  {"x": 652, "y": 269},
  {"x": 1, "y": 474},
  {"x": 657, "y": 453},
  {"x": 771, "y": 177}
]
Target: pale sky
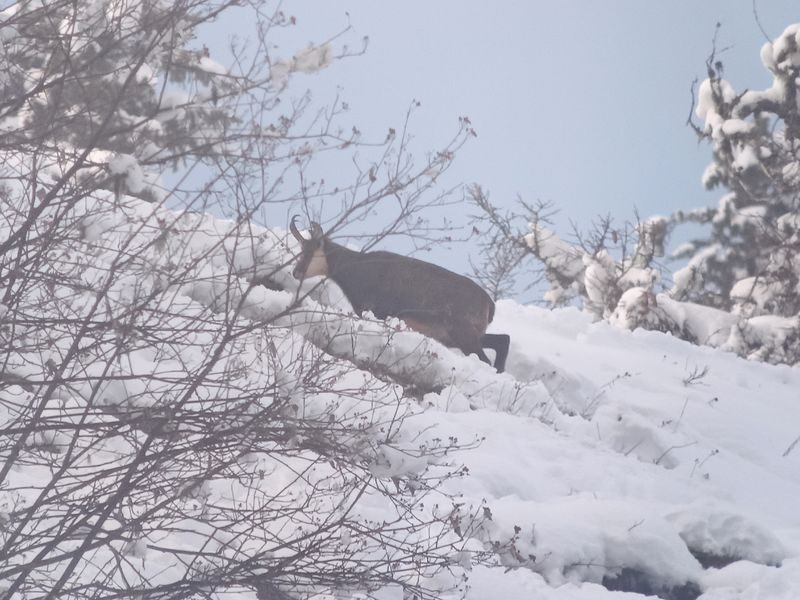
[{"x": 579, "y": 102}]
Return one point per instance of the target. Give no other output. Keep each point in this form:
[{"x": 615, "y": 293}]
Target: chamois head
[{"x": 312, "y": 260}]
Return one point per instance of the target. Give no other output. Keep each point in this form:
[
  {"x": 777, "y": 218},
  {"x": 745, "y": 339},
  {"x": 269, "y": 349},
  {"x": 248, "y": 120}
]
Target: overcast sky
[{"x": 581, "y": 103}]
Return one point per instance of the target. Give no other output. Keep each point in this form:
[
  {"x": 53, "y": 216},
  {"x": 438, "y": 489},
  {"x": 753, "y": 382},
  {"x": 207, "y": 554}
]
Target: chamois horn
[{"x": 295, "y": 231}]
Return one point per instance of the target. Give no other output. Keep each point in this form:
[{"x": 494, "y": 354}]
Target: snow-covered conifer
[
  {"x": 739, "y": 285},
  {"x": 748, "y": 263}
]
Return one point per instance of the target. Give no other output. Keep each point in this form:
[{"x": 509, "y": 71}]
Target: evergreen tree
[
  {"x": 748, "y": 263},
  {"x": 113, "y": 92},
  {"x": 740, "y": 287}
]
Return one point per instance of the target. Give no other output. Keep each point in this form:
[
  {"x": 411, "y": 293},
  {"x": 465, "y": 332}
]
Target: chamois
[{"x": 436, "y": 302}]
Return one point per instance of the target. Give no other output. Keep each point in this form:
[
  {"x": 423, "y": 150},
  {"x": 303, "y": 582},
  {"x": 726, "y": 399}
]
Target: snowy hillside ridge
[{"x": 602, "y": 460}]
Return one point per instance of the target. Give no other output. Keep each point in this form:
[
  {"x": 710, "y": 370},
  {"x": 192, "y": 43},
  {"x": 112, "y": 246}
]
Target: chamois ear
[{"x": 316, "y": 231}]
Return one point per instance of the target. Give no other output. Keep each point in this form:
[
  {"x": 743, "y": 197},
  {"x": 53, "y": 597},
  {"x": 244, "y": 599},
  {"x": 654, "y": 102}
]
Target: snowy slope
[
  {"x": 639, "y": 464},
  {"x": 608, "y": 459},
  {"x": 607, "y": 450}
]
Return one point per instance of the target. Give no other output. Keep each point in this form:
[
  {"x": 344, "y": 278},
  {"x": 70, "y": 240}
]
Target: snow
[
  {"x": 707, "y": 325},
  {"x": 600, "y": 452},
  {"x": 555, "y": 253},
  {"x": 747, "y": 580},
  {"x": 583, "y": 481},
  {"x": 146, "y": 74},
  {"x": 782, "y": 58},
  {"x": 720, "y": 533},
  {"x": 308, "y": 60},
  {"x": 210, "y": 66},
  {"x": 706, "y": 108},
  {"x": 753, "y": 289},
  {"x": 786, "y": 48},
  {"x": 711, "y": 176},
  {"x": 775, "y": 94},
  {"x": 313, "y": 58},
  {"x": 733, "y": 127},
  {"x": 768, "y": 56},
  {"x": 127, "y": 167},
  {"x": 636, "y": 276},
  {"x": 746, "y": 158},
  {"x": 279, "y": 73}
]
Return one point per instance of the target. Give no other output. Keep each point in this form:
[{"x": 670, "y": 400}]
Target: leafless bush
[{"x": 164, "y": 430}]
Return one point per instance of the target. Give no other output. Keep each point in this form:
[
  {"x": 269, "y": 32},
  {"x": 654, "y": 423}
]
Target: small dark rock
[{"x": 633, "y": 580}]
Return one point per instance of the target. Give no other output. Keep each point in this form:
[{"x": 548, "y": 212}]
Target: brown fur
[{"x": 435, "y": 330}]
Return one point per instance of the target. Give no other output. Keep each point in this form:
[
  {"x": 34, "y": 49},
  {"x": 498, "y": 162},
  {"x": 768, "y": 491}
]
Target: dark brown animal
[{"x": 431, "y": 300}]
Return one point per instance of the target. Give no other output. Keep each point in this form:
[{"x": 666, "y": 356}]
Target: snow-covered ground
[
  {"x": 609, "y": 459},
  {"x": 658, "y": 449}
]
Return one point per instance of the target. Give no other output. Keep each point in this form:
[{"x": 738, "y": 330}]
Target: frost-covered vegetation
[
  {"x": 181, "y": 418},
  {"x": 169, "y": 426},
  {"x": 738, "y": 288}
]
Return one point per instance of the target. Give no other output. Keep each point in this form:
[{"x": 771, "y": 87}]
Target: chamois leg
[
  {"x": 482, "y": 355},
  {"x": 498, "y": 342}
]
